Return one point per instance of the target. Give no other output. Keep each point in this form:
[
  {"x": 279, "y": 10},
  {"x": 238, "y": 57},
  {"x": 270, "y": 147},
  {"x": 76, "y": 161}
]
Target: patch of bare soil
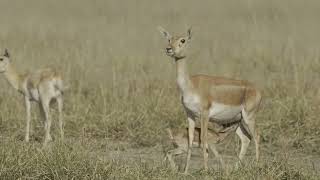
[{"x": 123, "y": 152}]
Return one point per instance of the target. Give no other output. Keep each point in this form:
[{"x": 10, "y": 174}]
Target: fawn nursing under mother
[
  {"x": 40, "y": 86},
  {"x": 216, "y": 134},
  {"x": 215, "y": 99}
]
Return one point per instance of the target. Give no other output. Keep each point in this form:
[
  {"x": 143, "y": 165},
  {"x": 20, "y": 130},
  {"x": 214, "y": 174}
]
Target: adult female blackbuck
[
  {"x": 215, "y": 99},
  {"x": 40, "y": 86}
]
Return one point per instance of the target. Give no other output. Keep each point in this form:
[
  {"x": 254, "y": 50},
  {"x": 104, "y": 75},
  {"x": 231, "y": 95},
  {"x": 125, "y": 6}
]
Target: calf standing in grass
[{"x": 40, "y": 86}]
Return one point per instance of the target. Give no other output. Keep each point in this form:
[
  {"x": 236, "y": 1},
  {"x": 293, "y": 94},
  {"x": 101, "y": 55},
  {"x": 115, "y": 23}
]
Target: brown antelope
[
  {"x": 179, "y": 138},
  {"x": 41, "y": 86},
  {"x": 216, "y": 99}
]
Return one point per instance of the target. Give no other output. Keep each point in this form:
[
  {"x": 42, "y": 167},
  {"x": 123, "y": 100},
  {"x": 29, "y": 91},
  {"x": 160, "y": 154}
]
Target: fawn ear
[
  {"x": 6, "y": 53},
  {"x": 189, "y": 33},
  {"x": 165, "y": 33}
]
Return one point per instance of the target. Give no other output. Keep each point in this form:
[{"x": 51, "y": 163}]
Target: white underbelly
[
  {"x": 222, "y": 112},
  {"x": 218, "y": 112}
]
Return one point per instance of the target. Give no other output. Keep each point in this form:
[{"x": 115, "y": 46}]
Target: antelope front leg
[
  {"x": 204, "y": 119},
  {"x": 28, "y": 112},
  {"x": 46, "y": 110},
  {"x": 60, "y": 107},
  {"x": 191, "y": 127}
]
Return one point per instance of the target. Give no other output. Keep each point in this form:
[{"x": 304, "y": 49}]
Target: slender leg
[
  {"x": 245, "y": 141},
  {"x": 249, "y": 119},
  {"x": 217, "y": 155},
  {"x": 204, "y": 137},
  {"x": 46, "y": 109},
  {"x": 28, "y": 112},
  {"x": 257, "y": 142},
  {"x": 191, "y": 127},
  {"x": 60, "y": 107},
  {"x": 201, "y": 131},
  {"x": 174, "y": 152}
]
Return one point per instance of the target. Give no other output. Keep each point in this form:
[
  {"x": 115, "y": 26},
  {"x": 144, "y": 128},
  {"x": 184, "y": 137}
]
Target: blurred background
[{"x": 122, "y": 85}]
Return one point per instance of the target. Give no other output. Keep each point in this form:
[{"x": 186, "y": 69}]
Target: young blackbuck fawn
[
  {"x": 217, "y": 99},
  {"x": 179, "y": 138},
  {"x": 40, "y": 86}
]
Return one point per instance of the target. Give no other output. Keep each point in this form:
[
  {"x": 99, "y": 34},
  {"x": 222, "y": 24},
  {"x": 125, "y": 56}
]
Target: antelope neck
[
  {"x": 183, "y": 78},
  {"x": 12, "y": 77}
]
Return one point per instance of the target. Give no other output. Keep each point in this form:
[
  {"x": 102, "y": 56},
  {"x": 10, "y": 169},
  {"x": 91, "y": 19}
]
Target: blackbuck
[
  {"x": 41, "y": 86},
  {"x": 215, "y": 99}
]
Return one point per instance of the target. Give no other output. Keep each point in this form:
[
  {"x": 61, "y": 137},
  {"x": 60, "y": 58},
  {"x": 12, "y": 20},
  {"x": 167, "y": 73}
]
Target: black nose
[{"x": 168, "y": 48}]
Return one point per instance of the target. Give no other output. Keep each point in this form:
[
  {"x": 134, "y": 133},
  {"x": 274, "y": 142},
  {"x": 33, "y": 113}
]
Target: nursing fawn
[{"x": 179, "y": 138}]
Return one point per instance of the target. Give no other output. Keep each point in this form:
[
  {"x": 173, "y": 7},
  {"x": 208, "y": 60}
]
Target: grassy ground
[{"x": 122, "y": 86}]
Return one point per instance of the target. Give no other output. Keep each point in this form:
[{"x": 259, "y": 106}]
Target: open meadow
[{"x": 122, "y": 91}]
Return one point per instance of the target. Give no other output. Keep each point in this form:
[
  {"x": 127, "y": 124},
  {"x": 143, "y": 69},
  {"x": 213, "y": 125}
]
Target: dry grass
[{"x": 122, "y": 86}]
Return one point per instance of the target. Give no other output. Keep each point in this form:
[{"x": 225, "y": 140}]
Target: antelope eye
[
  {"x": 1, "y": 59},
  {"x": 183, "y": 41}
]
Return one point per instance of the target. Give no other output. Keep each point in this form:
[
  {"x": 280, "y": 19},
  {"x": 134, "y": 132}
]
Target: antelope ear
[
  {"x": 189, "y": 33},
  {"x": 6, "y": 53},
  {"x": 165, "y": 33}
]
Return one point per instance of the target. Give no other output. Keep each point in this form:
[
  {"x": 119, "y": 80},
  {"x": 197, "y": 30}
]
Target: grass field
[{"x": 123, "y": 91}]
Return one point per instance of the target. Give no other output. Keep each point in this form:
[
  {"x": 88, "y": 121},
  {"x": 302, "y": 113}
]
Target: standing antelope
[
  {"x": 41, "y": 86},
  {"x": 217, "y": 99}
]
